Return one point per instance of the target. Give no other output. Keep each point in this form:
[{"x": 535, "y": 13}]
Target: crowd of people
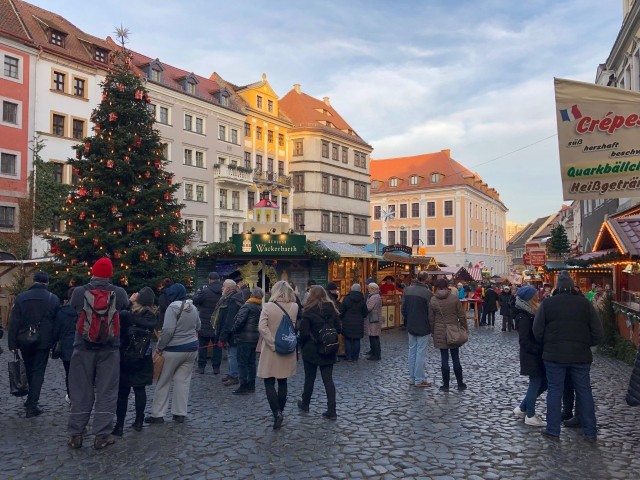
[{"x": 111, "y": 343}]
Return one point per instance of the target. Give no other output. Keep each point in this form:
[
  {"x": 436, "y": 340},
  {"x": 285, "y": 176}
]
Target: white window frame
[
  {"x": 18, "y": 123},
  {"x": 19, "y": 78},
  {"x": 159, "y": 119},
  {"x": 18, "y": 165},
  {"x": 435, "y": 210},
  {"x": 195, "y": 124},
  {"x": 16, "y": 217},
  {"x": 444, "y": 208},
  {"x": 435, "y": 237},
  {"x": 444, "y": 237}
]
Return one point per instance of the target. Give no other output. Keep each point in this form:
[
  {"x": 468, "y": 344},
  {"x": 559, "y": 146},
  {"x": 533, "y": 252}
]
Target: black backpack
[
  {"x": 327, "y": 339},
  {"x": 138, "y": 344}
]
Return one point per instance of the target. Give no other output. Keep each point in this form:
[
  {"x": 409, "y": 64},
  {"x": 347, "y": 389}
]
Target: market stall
[{"x": 355, "y": 265}]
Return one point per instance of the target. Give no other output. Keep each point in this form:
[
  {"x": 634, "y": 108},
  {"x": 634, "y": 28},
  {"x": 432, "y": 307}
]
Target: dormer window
[
  {"x": 56, "y": 38},
  {"x": 190, "y": 88},
  {"x": 374, "y": 185},
  {"x": 435, "y": 177},
  {"x": 393, "y": 182},
  {"x": 100, "y": 55},
  {"x": 155, "y": 75},
  {"x": 414, "y": 179},
  {"x": 189, "y": 83},
  {"x": 154, "y": 71}
]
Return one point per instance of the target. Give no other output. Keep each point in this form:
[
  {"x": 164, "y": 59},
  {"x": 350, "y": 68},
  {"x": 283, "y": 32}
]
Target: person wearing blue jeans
[
  {"x": 227, "y": 309},
  {"x": 415, "y": 310},
  {"x": 568, "y": 326}
]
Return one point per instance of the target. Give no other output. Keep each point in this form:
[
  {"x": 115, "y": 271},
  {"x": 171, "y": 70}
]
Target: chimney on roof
[
  {"x": 447, "y": 152},
  {"x": 264, "y": 77},
  {"x": 326, "y": 101},
  {"x": 296, "y": 87}
]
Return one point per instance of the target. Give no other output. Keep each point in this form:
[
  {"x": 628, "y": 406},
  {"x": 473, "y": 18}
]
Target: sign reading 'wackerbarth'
[
  {"x": 598, "y": 139},
  {"x": 268, "y": 245}
]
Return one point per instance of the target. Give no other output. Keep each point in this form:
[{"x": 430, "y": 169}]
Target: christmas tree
[
  {"x": 559, "y": 242},
  {"x": 123, "y": 205}
]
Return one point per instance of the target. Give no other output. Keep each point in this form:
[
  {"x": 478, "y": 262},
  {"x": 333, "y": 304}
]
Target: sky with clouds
[{"x": 410, "y": 76}]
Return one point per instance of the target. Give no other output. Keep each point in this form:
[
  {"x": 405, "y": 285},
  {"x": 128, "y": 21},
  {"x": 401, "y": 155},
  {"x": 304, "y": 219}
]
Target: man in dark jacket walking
[
  {"x": 568, "y": 325},
  {"x": 415, "y": 311},
  {"x": 36, "y": 307},
  {"x": 227, "y": 308},
  {"x": 206, "y": 300},
  {"x": 94, "y": 373}
]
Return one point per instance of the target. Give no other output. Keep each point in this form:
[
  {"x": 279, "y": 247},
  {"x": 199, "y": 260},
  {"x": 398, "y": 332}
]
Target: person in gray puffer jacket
[{"x": 179, "y": 345}]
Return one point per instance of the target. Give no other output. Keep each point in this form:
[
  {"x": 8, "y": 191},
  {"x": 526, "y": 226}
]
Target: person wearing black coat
[
  {"x": 205, "y": 301},
  {"x": 490, "y": 306},
  {"x": 136, "y": 329},
  {"x": 505, "y": 309},
  {"x": 66, "y": 320},
  {"x": 246, "y": 335},
  {"x": 226, "y": 311},
  {"x": 531, "y": 364},
  {"x": 353, "y": 311},
  {"x": 36, "y": 307},
  {"x": 319, "y": 311}
]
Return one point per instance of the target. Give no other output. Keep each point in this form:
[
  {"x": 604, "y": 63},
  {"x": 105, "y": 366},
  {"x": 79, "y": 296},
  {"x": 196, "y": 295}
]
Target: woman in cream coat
[{"x": 274, "y": 366}]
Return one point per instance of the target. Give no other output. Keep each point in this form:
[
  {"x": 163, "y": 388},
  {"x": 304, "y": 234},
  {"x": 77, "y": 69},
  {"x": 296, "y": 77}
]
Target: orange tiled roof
[
  {"x": 307, "y": 111},
  {"x": 171, "y": 77},
  {"x": 10, "y": 22},
  {"x": 451, "y": 173},
  {"x": 37, "y": 23}
]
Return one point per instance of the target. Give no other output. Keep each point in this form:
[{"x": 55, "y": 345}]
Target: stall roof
[
  {"x": 345, "y": 249},
  {"x": 592, "y": 255},
  {"x": 476, "y": 273},
  {"x": 371, "y": 248},
  {"x": 408, "y": 260}
]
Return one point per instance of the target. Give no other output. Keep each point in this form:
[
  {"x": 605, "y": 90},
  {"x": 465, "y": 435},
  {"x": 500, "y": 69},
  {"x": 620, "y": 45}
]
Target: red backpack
[{"x": 99, "y": 320}]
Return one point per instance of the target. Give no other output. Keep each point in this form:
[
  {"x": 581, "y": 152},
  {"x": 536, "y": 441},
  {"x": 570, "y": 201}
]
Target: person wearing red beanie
[{"x": 103, "y": 268}]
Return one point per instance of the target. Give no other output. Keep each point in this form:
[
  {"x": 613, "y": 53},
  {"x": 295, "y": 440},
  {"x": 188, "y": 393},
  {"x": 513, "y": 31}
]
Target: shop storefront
[{"x": 355, "y": 265}]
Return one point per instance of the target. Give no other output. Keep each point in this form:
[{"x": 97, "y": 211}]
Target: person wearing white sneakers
[{"x": 531, "y": 363}]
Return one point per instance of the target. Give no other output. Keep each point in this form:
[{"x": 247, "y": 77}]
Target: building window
[
  {"x": 360, "y": 191},
  {"x": 431, "y": 237},
  {"x": 374, "y": 185},
  {"x": 335, "y": 220},
  {"x": 360, "y": 226},
  {"x": 58, "y": 168},
  {"x": 345, "y": 188},
  {"x": 403, "y": 237},
  {"x": 224, "y": 100},
  {"x": 234, "y": 136},
  {"x": 164, "y": 115},
  {"x": 269, "y": 165},
  {"x": 280, "y": 140},
  {"x": 345, "y": 155},
  {"x": 259, "y": 102},
  {"x": 298, "y": 182},
  {"x": 448, "y": 236},
  {"x": 8, "y": 163},
  {"x": 235, "y": 200},
  {"x": 435, "y": 178},
  {"x": 391, "y": 240},
  {"x": 297, "y": 148},
  {"x": 152, "y": 110},
  {"x": 334, "y": 152},
  {"x": 269, "y": 136},
  {"x": 11, "y": 66},
  {"x": 10, "y": 112},
  {"x": 247, "y": 130},
  {"x": 403, "y": 212},
  {"x": 298, "y": 221},
  {"x": 393, "y": 182},
  {"x": 251, "y": 199},
  {"x": 155, "y": 75},
  {"x": 281, "y": 168},
  {"x": 259, "y": 163},
  {"x": 58, "y": 81},
  {"x": 413, "y": 180},
  {"x": 190, "y": 88},
  {"x": 335, "y": 186},
  {"x": 391, "y": 209},
  {"x": 199, "y": 235},
  {"x": 222, "y": 132},
  {"x": 200, "y": 159},
  {"x": 247, "y": 159},
  {"x": 324, "y": 226},
  {"x": 325, "y": 184},
  {"x": 200, "y": 126},
  {"x": 325, "y": 149},
  {"x": 188, "y": 122},
  {"x": 223, "y": 232},
  {"x": 270, "y": 106},
  {"x": 285, "y": 205},
  {"x": 235, "y": 228},
  {"x": 415, "y": 237},
  {"x": 360, "y": 159},
  {"x": 415, "y": 210},
  {"x": 78, "y": 129},
  {"x": 100, "y": 55},
  {"x": 56, "y": 38},
  {"x": 188, "y": 156},
  {"x": 78, "y": 87},
  {"x": 258, "y": 133},
  {"x": 165, "y": 151},
  {"x": 448, "y": 208},
  {"x": 58, "y": 125},
  {"x": 188, "y": 191},
  {"x": 344, "y": 224},
  {"x": 223, "y": 198},
  {"x": 431, "y": 209},
  {"x": 199, "y": 193},
  {"x": 7, "y": 217},
  {"x": 377, "y": 212}
]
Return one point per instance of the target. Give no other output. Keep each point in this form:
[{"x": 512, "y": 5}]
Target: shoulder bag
[
  {"x": 29, "y": 335},
  {"x": 455, "y": 334}
]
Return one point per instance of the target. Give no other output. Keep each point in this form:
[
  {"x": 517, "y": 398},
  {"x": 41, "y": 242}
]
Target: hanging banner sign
[
  {"x": 268, "y": 245},
  {"x": 598, "y": 140}
]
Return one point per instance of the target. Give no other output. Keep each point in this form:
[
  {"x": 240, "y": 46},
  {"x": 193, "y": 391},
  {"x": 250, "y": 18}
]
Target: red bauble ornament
[
  {"x": 147, "y": 174},
  {"x": 116, "y": 254},
  {"x": 104, "y": 96},
  {"x": 87, "y": 147},
  {"x": 137, "y": 141},
  {"x": 124, "y": 281},
  {"x": 76, "y": 171},
  {"x": 129, "y": 227},
  {"x": 169, "y": 180},
  {"x": 156, "y": 232},
  {"x": 132, "y": 201},
  {"x": 109, "y": 163},
  {"x": 138, "y": 95},
  {"x": 97, "y": 129},
  {"x": 72, "y": 242},
  {"x": 113, "y": 116},
  {"x": 167, "y": 196},
  {"x": 82, "y": 192},
  {"x": 156, "y": 163},
  {"x": 147, "y": 98},
  {"x": 121, "y": 87},
  {"x": 82, "y": 215}
]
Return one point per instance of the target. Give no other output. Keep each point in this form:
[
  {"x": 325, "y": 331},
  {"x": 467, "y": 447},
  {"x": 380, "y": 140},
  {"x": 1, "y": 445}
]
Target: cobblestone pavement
[{"x": 385, "y": 428}]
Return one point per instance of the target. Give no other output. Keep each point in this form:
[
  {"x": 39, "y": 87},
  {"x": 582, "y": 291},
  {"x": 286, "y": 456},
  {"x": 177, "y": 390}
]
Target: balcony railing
[
  {"x": 272, "y": 178},
  {"x": 233, "y": 173}
]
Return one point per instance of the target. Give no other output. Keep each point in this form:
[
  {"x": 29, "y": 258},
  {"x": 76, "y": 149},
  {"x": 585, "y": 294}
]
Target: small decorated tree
[
  {"x": 123, "y": 205},
  {"x": 558, "y": 244}
]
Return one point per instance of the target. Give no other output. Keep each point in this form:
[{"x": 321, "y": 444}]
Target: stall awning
[
  {"x": 371, "y": 248},
  {"x": 476, "y": 273},
  {"x": 429, "y": 262},
  {"x": 345, "y": 249}
]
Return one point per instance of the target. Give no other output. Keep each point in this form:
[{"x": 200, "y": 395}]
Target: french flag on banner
[{"x": 570, "y": 114}]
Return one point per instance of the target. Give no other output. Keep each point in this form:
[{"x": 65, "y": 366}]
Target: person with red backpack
[{"x": 94, "y": 372}]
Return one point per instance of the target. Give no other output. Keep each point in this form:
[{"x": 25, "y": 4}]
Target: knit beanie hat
[
  {"x": 176, "y": 292},
  {"x": 146, "y": 297},
  {"x": 331, "y": 286},
  {"x": 526, "y": 293},
  {"x": 564, "y": 283},
  {"x": 41, "y": 277},
  {"x": 103, "y": 268},
  {"x": 356, "y": 287}
]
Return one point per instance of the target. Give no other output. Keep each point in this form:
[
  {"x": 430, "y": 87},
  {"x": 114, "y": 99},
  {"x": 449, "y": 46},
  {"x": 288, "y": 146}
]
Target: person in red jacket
[{"x": 388, "y": 286}]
